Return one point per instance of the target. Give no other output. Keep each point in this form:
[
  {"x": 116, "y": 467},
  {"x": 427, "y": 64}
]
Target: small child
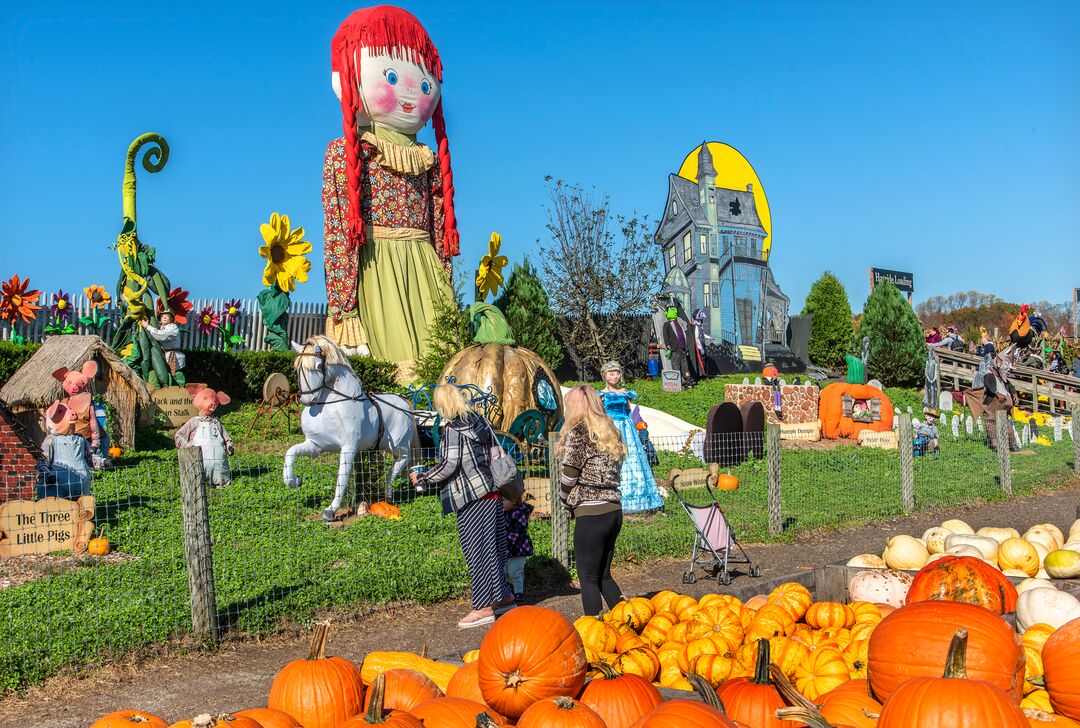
[
  {"x": 65, "y": 465},
  {"x": 519, "y": 545}
]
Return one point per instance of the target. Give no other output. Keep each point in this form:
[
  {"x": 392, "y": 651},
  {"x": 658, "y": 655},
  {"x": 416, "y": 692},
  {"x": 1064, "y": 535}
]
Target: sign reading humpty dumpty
[{"x": 46, "y": 525}]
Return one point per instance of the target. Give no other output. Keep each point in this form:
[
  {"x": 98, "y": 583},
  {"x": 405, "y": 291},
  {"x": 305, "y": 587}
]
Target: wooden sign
[
  {"x": 804, "y": 431},
  {"x": 885, "y": 440},
  {"x": 689, "y": 477},
  {"x": 175, "y": 402},
  {"x": 46, "y": 525}
]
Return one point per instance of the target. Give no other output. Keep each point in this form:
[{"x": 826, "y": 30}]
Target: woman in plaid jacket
[{"x": 464, "y": 471}]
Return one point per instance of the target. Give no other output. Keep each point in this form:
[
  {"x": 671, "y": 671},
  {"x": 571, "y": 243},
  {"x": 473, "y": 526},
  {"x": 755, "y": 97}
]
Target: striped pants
[{"x": 482, "y": 530}]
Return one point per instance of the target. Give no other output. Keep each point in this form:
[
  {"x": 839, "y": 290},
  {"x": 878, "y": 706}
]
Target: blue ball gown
[{"x": 639, "y": 492}]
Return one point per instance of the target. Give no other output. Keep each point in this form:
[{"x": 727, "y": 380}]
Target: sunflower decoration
[
  {"x": 61, "y": 311},
  {"x": 284, "y": 253},
  {"x": 18, "y": 301},
  {"x": 227, "y": 320},
  {"x": 99, "y": 298},
  {"x": 285, "y": 266},
  {"x": 489, "y": 278}
]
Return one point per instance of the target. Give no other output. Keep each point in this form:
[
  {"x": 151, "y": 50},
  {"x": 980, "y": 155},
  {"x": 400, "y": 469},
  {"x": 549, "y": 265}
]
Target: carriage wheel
[
  {"x": 511, "y": 445},
  {"x": 689, "y": 577}
]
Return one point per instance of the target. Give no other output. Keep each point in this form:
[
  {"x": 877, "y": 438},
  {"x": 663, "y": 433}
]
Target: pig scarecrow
[
  {"x": 206, "y": 431},
  {"x": 74, "y": 383}
]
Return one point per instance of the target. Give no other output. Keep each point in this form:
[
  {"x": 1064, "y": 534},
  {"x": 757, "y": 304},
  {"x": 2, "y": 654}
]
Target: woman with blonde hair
[
  {"x": 591, "y": 450},
  {"x": 465, "y": 468}
]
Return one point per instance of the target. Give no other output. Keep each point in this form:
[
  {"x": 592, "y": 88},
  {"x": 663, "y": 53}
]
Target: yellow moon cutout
[{"x": 733, "y": 172}]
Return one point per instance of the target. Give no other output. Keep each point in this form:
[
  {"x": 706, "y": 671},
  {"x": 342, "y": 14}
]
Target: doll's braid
[
  {"x": 451, "y": 241},
  {"x": 351, "y": 106}
]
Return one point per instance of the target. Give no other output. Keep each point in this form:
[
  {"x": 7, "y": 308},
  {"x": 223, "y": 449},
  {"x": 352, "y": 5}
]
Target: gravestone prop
[
  {"x": 672, "y": 381},
  {"x": 956, "y": 426},
  {"x": 724, "y": 443},
  {"x": 978, "y": 423},
  {"x": 945, "y": 402},
  {"x": 753, "y": 417},
  {"x": 1057, "y": 429},
  {"x": 876, "y": 384}
]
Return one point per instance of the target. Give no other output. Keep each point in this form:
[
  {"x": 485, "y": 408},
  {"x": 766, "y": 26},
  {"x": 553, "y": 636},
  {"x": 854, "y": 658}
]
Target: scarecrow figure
[
  {"x": 206, "y": 431},
  {"x": 65, "y": 463}
]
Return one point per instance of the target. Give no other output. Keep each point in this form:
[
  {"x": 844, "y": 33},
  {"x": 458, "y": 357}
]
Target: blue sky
[{"x": 937, "y": 138}]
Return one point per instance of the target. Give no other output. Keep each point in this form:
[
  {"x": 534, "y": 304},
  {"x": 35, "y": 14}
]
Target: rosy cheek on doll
[{"x": 384, "y": 99}]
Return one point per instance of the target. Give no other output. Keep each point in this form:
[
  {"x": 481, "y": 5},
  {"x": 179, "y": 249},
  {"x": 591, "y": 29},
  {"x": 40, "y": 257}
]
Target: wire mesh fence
[{"x": 273, "y": 560}]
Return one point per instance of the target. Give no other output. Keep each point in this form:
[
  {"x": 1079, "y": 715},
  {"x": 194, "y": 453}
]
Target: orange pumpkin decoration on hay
[{"x": 847, "y": 419}]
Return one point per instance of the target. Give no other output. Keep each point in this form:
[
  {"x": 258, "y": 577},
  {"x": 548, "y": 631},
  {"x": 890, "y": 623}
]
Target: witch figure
[{"x": 639, "y": 491}]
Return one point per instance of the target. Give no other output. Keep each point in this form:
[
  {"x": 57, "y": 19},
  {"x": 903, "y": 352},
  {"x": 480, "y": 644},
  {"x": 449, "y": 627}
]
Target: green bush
[
  {"x": 13, "y": 356},
  {"x": 831, "y": 330},
  {"x": 241, "y": 374},
  {"x": 897, "y": 345},
  {"x": 525, "y": 305},
  {"x": 450, "y": 332}
]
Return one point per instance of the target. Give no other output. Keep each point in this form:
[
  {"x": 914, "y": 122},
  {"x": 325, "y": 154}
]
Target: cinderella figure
[{"x": 639, "y": 492}]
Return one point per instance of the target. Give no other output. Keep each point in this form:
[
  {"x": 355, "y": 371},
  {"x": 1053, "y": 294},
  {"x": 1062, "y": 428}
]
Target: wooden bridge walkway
[{"x": 1059, "y": 393}]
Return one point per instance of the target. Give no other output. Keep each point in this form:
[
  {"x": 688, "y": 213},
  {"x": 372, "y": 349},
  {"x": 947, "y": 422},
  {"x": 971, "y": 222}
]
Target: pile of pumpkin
[{"x": 777, "y": 661}]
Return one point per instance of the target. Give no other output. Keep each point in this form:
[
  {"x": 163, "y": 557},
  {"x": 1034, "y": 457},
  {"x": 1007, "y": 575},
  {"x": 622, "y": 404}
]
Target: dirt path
[{"x": 238, "y": 675}]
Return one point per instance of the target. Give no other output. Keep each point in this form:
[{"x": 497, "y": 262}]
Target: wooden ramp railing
[{"x": 1060, "y": 393}]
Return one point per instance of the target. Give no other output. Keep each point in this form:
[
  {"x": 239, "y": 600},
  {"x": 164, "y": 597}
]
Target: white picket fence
[{"x": 305, "y": 319}]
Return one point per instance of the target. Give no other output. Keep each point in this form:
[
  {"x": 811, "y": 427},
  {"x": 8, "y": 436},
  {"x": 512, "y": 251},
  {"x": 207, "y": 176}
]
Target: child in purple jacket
[{"x": 519, "y": 545}]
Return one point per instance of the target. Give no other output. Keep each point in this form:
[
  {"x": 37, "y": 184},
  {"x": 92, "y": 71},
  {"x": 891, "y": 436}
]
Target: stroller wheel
[
  {"x": 755, "y": 571},
  {"x": 689, "y": 577},
  {"x": 723, "y": 579}
]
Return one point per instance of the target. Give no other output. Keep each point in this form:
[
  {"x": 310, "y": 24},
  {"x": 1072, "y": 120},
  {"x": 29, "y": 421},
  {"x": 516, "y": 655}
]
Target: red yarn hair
[{"x": 385, "y": 29}]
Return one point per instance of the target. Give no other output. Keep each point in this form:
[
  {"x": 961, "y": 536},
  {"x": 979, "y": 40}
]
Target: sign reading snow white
[
  {"x": 46, "y": 525},
  {"x": 903, "y": 281}
]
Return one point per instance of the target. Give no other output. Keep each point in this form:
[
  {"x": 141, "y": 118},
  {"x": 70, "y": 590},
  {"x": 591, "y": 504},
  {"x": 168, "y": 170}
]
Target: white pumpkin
[
  {"x": 998, "y": 534},
  {"x": 934, "y": 538},
  {"x": 1041, "y": 574},
  {"x": 867, "y": 561},
  {"x": 1041, "y": 550},
  {"x": 1073, "y": 545},
  {"x": 1062, "y": 564},
  {"x": 987, "y": 546},
  {"x": 885, "y": 587},
  {"x": 1046, "y": 606},
  {"x": 935, "y": 557},
  {"x": 1059, "y": 537},
  {"x": 955, "y": 525},
  {"x": 1075, "y": 527},
  {"x": 965, "y": 550},
  {"x": 1016, "y": 553},
  {"x": 1042, "y": 537},
  {"x": 1015, "y": 572},
  {"x": 905, "y": 552},
  {"x": 1033, "y": 583}
]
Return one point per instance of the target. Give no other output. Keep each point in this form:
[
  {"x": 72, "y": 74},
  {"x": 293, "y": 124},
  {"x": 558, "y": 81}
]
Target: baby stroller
[{"x": 714, "y": 540}]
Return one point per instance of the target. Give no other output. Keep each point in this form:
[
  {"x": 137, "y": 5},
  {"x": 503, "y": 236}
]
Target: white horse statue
[{"x": 340, "y": 417}]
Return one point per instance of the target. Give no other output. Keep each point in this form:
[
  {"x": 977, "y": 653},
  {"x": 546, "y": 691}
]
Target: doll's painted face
[
  {"x": 612, "y": 377},
  {"x": 396, "y": 93}
]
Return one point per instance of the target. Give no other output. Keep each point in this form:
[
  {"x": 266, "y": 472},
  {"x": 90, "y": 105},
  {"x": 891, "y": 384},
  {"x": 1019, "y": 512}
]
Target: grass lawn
[{"x": 273, "y": 563}]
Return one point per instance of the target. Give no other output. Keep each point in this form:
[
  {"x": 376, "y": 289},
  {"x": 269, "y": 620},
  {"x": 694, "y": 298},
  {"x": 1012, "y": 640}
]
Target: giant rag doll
[{"x": 390, "y": 233}]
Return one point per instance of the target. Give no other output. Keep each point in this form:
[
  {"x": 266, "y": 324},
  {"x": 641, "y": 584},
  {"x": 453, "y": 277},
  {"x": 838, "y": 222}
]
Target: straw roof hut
[{"x": 32, "y": 388}]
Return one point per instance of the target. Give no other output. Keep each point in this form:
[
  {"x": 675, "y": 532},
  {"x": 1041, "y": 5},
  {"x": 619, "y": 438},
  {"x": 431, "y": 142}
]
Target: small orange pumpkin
[
  {"x": 98, "y": 546},
  {"x": 318, "y": 691},
  {"x": 822, "y": 615},
  {"x": 269, "y": 718},
  {"x": 129, "y": 719},
  {"x": 382, "y": 509},
  {"x": 619, "y": 699},
  {"x": 221, "y": 721},
  {"x": 560, "y": 712},
  {"x": 115, "y": 452},
  {"x": 726, "y": 481}
]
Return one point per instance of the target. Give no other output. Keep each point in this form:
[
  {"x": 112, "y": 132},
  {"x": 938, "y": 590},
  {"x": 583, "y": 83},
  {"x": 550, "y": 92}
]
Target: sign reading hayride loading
[
  {"x": 46, "y": 525},
  {"x": 905, "y": 282}
]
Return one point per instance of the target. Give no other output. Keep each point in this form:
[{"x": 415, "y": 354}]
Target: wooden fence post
[
  {"x": 907, "y": 463},
  {"x": 198, "y": 553},
  {"x": 776, "y": 513},
  {"x": 1074, "y": 427},
  {"x": 1004, "y": 440},
  {"x": 560, "y": 522}
]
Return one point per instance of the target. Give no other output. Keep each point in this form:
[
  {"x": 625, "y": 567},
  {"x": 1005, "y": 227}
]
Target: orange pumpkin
[
  {"x": 823, "y": 615},
  {"x": 793, "y": 597},
  {"x": 661, "y": 600},
  {"x": 404, "y": 689},
  {"x": 641, "y": 661},
  {"x": 821, "y": 671},
  {"x": 656, "y": 631},
  {"x": 865, "y": 612},
  {"x": 561, "y": 712},
  {"x": 382, "y": 509},
  {"x": 696, "y": 648},
  {"x": 318, "y": 691},
  {"x": 721, "y": 600},
  {"x": 683, "y": 606},
  {"x": 857, "y": 655},
  {"x": 221, "y": 721},
  {"x": 464, "y": 684},
  {"x": 757, "y": 601},
  {"x": 835, "y": 425},
  {"x": 714, "y": 668},
  {"x": 453, "y": 713},
  {"x": 772, "y": 620},
  {"x": 115, "y": 452},
  {"x": 680, "y": 713},
  {"x": 98, "y": 546},
  {"x": 269, "y": 718},
  {"x": 787, "y": 653},
  {"x": 755, "y": 700},
  {"x": 619, "y": 699},
  {"x": 377, "y": 708},
  {"x": 815, "y": 638},
  {"x": 596, "y": 634},
  {"x": 854, "y": 707},
  {"x": 964, "y": 579},
  {"x": 1061, "y": 658},
  {"x": 629, "y": 641},
  {"x": 717, "y": 623},
  {"x": 129, "y": 719},
  {"x": 634, "y": 612},
  {"x": 531, "y": 653},
  {"x": 1042, "y": 719},
  {"x": 914, "y": 640},
  {"x": 726, "y": 481},
  {"x": 952, "y": 701}
]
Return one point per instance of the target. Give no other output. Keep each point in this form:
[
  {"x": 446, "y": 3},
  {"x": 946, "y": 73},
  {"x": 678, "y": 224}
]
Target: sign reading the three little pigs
[{"x": 46, "y": 525}]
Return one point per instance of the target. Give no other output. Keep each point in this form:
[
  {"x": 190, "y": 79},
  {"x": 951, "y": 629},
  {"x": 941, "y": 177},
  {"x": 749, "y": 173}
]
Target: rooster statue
[{"x": 1025, "y": 328}]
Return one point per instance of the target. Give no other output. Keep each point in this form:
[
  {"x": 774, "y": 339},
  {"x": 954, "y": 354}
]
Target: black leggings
[{"x": 594, "y": 547}]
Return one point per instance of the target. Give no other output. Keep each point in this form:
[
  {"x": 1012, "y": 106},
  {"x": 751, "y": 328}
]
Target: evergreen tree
[
  {"x": 897, "y": 346},
  {"x": 831, "y": 329},
  {"x": 450, "y": 332},
  {"x": 525, "y": 304}
]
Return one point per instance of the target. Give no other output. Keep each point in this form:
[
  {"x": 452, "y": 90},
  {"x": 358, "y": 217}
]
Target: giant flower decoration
[
  {"x": 231, "y": 311},
  {"x": 207, "y": 321},
  {"x": 284, "y": 253},
  {"x": 178, "y": 305},
  {"x": 17, "y": 301},
  {"x": 489, "y": 275},
  {"x": 61, "y": 306},
  {"x": 98, "y": 296}
]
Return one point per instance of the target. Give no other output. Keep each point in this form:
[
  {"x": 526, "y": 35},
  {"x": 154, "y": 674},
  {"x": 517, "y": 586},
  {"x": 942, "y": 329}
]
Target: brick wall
[
  {"x": 18, "y": 474},
  {"x": 799, "y": 403}
]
